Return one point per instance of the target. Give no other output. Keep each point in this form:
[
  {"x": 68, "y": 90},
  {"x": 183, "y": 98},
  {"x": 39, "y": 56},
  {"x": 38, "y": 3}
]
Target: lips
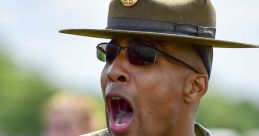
[{"x": 120, "y": 114}]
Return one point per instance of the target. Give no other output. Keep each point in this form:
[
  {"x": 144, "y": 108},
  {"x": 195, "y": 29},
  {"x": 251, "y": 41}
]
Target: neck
[
  {"x": 184, "y": 129},
  {"x": 184, "y": 125}
]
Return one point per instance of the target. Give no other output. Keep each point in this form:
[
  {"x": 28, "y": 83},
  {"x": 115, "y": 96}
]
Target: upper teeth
[{"x": 116, "y": 98}]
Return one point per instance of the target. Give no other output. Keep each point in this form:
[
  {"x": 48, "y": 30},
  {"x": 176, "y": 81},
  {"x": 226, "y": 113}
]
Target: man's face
[{"x": 144, "y": 100}]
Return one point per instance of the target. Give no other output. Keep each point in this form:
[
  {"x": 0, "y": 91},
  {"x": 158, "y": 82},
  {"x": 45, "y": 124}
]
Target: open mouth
[{"x": 120, "y": 114}]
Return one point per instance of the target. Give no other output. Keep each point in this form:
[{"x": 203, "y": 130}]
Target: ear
[{"x": 195, "y": 87}]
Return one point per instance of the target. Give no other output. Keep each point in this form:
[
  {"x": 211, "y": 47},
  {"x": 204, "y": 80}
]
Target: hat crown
[
  {"x": 194, "y": 12},
  {"x": 189, "y": 21}
]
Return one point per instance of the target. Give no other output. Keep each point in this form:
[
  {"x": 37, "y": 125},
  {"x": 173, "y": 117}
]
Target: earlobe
[{"x": 195, "y": 88}]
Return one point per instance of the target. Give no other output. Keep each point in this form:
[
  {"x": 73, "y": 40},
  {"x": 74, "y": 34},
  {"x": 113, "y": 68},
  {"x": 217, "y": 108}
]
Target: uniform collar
[{"x": 198, "y": 128}]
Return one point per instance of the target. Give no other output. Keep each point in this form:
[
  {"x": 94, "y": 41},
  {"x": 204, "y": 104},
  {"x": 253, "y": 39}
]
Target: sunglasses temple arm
[
  {"x": 179, "y": 61},
  {"x": 101, "y": 49}
]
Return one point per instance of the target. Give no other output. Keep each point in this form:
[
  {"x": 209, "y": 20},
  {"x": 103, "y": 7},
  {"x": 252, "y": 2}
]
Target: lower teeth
[{"x": 118, "y": 125}]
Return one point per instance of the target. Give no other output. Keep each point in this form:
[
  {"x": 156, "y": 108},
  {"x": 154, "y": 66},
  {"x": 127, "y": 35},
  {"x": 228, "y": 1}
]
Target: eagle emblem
[{"x": 128, "y": 3}]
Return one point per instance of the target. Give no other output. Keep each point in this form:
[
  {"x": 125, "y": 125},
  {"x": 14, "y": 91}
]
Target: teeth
[
  {"x": 118, "y": 125},
  {"x": 116, "y": 98}
]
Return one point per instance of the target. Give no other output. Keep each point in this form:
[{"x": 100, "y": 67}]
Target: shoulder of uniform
[
  {"x": 103, "y": 132},
  {"x": 201, "y": 131}
]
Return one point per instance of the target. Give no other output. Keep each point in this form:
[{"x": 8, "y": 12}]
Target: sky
[{"x": 29, "y": 29}]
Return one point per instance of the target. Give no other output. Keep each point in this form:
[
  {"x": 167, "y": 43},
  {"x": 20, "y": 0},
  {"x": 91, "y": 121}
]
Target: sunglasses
[{"x": 137, "y": 55}]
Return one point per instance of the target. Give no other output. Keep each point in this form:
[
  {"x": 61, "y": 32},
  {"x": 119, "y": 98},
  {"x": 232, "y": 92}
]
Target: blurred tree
[
  {"x": 219, "y": 111},
  {"x": 21, "y": 97}
]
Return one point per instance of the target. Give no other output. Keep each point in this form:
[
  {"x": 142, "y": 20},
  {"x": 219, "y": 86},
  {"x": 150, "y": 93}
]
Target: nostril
[{"x": 121, "y": 79}]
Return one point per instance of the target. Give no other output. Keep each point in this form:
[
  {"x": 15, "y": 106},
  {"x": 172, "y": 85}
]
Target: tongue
[
  {"x": 123, "y": 113},
  {"x": 123, "y": 118}
]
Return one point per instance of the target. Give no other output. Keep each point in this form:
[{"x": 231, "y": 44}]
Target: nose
[{"x": 118, "y": 71}]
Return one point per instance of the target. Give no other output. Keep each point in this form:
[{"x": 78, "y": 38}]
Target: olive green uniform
[{"x": 199, "y": 131}]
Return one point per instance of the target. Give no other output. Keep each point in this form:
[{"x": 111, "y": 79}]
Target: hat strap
[{"x": 134, "y": 24}]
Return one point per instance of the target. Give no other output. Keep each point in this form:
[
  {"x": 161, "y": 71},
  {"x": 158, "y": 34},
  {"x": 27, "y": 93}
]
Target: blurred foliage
[
  {"x": 21, "y": 97},
  {"x": 219, "y": 111},
  {"x": 102, "y": 117}
]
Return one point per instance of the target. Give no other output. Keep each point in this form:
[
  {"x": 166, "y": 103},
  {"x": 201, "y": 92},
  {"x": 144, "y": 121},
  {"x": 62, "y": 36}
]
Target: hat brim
[{"x": 111, "y": 33}]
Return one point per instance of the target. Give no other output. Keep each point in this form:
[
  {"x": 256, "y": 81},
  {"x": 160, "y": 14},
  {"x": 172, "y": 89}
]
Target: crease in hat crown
[{"x": 190, "y": 21}]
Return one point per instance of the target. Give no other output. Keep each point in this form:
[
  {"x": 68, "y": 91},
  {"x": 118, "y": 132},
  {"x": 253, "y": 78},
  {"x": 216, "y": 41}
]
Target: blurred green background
[{"x": 22, "y": 94}]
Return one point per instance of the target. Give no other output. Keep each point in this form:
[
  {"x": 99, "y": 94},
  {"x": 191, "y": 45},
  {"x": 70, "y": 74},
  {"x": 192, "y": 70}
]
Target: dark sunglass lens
[
  {"x": 111, "y": 52},
  {"x": 141, "y": 55}
]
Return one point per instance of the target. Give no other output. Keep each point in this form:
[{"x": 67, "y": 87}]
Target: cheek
[
  {"x": 162, "y": 83},
  {"x": 159, "y": 92},
  {"x": 104, "y": 79}
]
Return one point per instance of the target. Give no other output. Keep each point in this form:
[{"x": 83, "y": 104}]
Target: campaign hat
[{"x": 188, "y": 21}]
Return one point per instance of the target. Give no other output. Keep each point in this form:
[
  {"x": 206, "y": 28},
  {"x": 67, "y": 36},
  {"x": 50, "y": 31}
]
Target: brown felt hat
[{"x": 189, "y": 21}]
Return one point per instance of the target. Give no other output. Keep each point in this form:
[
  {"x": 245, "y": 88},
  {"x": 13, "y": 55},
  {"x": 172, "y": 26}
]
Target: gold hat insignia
[{"x": 128, "y": 3}]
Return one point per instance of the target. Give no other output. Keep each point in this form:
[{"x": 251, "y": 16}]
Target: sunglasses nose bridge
[
  {"x": 120, "y": 53},
  {"x": 118, "y": 50}
]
